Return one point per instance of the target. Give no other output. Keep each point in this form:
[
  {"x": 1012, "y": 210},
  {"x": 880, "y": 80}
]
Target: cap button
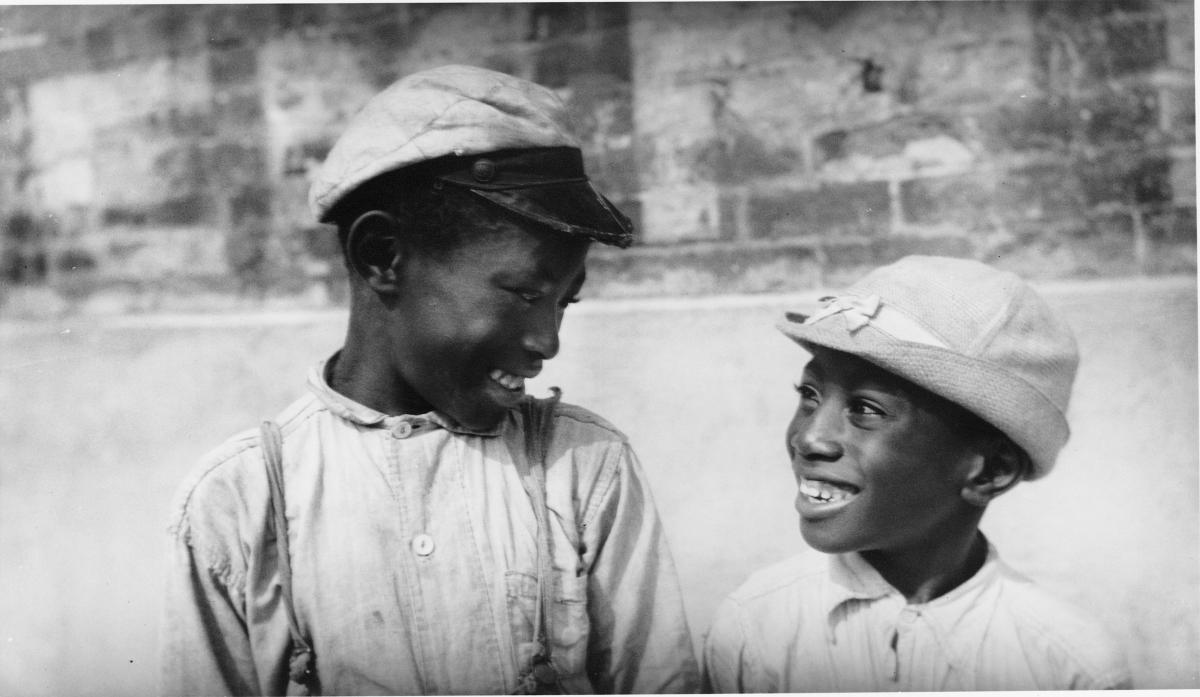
[{"x": 484, "y": 170}]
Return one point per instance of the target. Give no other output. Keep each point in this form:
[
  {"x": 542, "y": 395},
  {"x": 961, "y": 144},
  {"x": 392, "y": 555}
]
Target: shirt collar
[
  {"x": 342, "y": 406},
  {"x": 854, "y": 579}
]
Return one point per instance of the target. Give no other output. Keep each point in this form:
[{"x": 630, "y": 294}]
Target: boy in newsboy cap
[
  {"x": 935, "y": 385},
  {"x": 417, "y": 524}
]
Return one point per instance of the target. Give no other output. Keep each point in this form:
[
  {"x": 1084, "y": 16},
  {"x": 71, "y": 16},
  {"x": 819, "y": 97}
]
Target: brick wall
[{"x": 158, "y": 156}]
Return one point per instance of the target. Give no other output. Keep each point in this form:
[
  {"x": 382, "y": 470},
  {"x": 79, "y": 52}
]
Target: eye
[
  {"x": 865, "y": 409},
  {"x": 808, "y": 393},
  {"x": 527, "y": 294}
]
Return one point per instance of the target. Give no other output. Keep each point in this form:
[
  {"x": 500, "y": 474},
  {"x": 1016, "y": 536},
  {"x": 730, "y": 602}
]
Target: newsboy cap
[{"x": 504, "y": 139}]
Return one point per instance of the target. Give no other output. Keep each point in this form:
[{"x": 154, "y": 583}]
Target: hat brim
[
  {"x": 1004, "y": 400},
  {"x": 575, "y": 208}
]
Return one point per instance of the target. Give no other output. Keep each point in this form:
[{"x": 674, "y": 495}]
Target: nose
[
  {"x": 541, "y": 334},
  {"x": 814, "y": 434}
]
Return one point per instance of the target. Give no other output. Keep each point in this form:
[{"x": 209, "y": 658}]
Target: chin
[{"x": 822, "y": 541}]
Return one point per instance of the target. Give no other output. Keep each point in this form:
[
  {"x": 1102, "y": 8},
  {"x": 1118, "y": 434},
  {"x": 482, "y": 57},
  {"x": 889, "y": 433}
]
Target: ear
[
  {"x": 995, "y": 470},
  {"x": 374, "y": 251}
]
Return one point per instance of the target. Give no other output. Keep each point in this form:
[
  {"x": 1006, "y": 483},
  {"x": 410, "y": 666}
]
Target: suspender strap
[
  {"x": 302, "y": 663},
  {"x": 542, "y": 675}
]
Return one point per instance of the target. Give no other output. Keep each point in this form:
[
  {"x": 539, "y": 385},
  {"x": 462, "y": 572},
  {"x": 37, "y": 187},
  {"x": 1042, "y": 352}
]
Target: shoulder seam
[{"x": 199, "y": 478}]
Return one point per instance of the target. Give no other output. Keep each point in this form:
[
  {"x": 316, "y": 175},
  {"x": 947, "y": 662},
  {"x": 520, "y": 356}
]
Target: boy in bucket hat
[
  {"x": 417, "y": 524},
  {"x": 935, "y": 385}
]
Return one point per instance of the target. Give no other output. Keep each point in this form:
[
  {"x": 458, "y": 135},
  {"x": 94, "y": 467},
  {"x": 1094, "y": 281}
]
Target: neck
[
  {"x": 924, "y": 574},
  {"x": 364, "y": 370}
]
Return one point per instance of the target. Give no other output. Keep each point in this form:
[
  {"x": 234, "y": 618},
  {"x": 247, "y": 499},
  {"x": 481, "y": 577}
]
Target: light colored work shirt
[
  {"x": 831, "y": 623},
  {"x": 414, "y": 560}
]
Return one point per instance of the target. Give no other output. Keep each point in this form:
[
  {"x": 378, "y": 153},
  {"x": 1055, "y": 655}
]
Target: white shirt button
[
  {"x": 423, "y": 545},
  {"x": 402, "y": 430}
]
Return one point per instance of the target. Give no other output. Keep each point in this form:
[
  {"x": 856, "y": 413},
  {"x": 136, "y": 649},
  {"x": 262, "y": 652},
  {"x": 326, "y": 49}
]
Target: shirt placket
[
  {"x": 448, "y": 594},
  {"x": 902, "y": 647}
]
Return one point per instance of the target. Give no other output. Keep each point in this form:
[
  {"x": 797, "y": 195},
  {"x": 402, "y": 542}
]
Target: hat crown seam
[{"x": 423, "y": 129}]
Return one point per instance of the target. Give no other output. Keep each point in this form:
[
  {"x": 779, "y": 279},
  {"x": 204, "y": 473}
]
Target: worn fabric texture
[
  {"x": 831, "y": 623},
  {"x": 414, "y": 557}
]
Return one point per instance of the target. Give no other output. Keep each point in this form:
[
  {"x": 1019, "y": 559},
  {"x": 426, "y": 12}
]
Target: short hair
[
  {"x": 974, "y": 426},
  {"x": 436, "y": 219}
]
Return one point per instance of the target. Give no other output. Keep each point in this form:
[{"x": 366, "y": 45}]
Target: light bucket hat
[
  {"x": 980, "y": 337},
  {"x": 502, "y": 138}
]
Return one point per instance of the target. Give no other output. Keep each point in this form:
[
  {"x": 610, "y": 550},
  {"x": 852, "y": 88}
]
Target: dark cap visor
[{"x": 545, "y": 185}]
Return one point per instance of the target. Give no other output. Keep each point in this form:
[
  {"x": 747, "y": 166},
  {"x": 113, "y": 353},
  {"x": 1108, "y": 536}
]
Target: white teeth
[
  {"x": 511, "y": 382},
  {"x": 824, "y": 492}
]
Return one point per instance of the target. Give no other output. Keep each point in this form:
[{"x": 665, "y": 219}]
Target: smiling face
[
  {"x": 469, "y": 326},
  {"x": 881, "y": 463}
]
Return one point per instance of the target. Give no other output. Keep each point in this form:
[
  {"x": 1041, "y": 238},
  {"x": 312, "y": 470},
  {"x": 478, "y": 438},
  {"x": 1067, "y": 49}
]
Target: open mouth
[
  {"x": 822, "y": 492},
  {"x": 510, "y": 382}
]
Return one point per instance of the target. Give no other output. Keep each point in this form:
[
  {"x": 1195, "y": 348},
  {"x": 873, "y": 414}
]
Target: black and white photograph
[{"x": 598, "y": 347}]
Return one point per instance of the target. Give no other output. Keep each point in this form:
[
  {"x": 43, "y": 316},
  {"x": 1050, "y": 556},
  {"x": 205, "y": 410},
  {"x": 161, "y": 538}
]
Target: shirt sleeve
[
  {"x": 730, "y": 663},
  {"x": 206, "y": 644},
  {"x": 640, "y": 642}
]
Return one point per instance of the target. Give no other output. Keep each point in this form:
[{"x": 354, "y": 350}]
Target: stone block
[
  {"x": 250, "y": 206},
  {"x": 237, "y": 110},
  {"x": 1183, "y": 179},
  {"x": 234, "y": 26},
  {"x": 1150, "y": 181},
  {"x": 183, "y": 121},
  {"x": 234, "y": 162},
  {"x": 1119, "y": 115},
  {"x": 680, "y": 214},
  {"x": 554, "y": 20},
  {"x": 1040, "y": 192},
  {"x": 301, "y": 17},
  {"x": 1134, "y": 43},
  {"x": 180, "y": 210},
  {"x": 180, "y": 166},
  {"x": 100, "y": 46},
  {"x": 963, "y": 202},
  {"x": 150, "y": 32},
  {"x": 176, "y": 29},
  {"x": 1179, "y": 114},
  {"x": 736, "y": 156},
  {"x": 1175, "y": 224},
  {"x": 1036, "y": 123},
  {"x": 185, "y": 210},
  {"x": 892, "y": 136},
  {"x": 1125, "y": 178},
  {"x": 235, "y": 65},
  {"x": 732, "y": 208},
  {"x": 557, "y": 63},
  {"x": 830, "y": 211}
]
